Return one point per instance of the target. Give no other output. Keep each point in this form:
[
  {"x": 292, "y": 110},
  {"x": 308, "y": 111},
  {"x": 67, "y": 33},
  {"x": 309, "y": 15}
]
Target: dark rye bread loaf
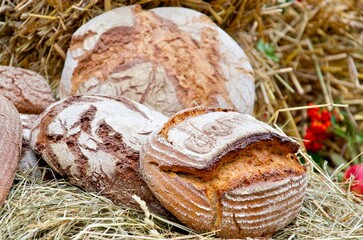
[
  {"x": 10, "y": 145},
  {"x": 95, "y": 142},
  {"x": 221, "y": 170},
  {"x": 27, "y": 90},
  {"x": 167, "y": 58}
]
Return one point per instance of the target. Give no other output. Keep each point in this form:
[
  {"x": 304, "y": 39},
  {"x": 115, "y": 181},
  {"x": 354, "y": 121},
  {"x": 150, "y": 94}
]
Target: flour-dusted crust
[
  {"x": 217, "y": 169},
  {"x": 27, "y": 90},
  {"x": 10, "y": 145},
  {"x": 166, "y": 58},
  {"x": 29, "y": 160},
  {"x": 95, "y": 141}
]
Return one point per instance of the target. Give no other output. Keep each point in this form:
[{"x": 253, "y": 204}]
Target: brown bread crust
[
  {"x": 220, "y": 170},
  {"x": 10, "y": 145},
  {"x": 27, "y": 90},
  {"x": 95, "y": 142},
  {"x": 163, "y": 62}
]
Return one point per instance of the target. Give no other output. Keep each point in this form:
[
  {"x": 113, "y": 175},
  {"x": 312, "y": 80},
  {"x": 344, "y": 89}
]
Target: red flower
[
  {"x": 355, "y": 171},
  {"x": 313, "y": 141},
  {"x": 317, "y": 131},
  {"x": 325, "y": 116},
  {"x": 313, "y": 113}
]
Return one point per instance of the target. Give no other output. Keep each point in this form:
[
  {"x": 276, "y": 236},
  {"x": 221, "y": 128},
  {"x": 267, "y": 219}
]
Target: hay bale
[{"x": 307, "y": 51}]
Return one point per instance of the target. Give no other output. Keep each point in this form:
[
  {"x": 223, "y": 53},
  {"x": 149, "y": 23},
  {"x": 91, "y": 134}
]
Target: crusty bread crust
[
  {"x": 165, "y": 58},
  {"x": 27, "y": 90},
  {"x": 10, "y": 145},
  {"x": 95, "y": 142},
  {"x": 221, "y": 170}
]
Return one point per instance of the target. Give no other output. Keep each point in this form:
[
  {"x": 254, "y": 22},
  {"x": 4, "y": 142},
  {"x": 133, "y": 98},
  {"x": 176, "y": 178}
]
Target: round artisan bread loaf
[
  {"x": 29, "y": 160},
  {"x": 217, "y": 169},
  {"x": 95, "y": 142},
  {"x": 27, "y": 90},
  {"x": 10, "y": 145},
  {"x": 166, "y": 58}
]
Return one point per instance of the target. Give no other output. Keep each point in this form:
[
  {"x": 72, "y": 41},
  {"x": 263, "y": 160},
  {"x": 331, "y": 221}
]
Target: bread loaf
[
  {"x": 29, "y": 161},
  {"x": 221, "y": 170},
  {"x": 10, "y": 145},
  {"x": 95, "y": 142},
  {"x": 166, "y": 58},
  {"x": 27, "y": 90}
]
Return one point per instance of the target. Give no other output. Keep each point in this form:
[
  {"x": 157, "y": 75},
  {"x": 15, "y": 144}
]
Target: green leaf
[
  {"x": 340, "y": 176},
  {"x": 338, "y": 131},
  {"x": 359, "y": 138},
  {"x": 317, "y": 158},
  {"x": 267, "y": 49}
]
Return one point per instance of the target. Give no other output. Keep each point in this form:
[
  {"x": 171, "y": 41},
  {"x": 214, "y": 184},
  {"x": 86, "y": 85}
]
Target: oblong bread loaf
[
  {"x": 95, "y": 142},
  {"x": 27, "y": 90},
  {"x": 10, "y": 145},
  {"x": 166, "y": 58},
  {"x": 221, "y": 170}
]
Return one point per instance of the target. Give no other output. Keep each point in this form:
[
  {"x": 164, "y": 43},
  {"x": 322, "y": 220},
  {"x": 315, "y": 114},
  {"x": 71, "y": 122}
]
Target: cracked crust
[
  {"x": 166, "y": 58},
  {"x": 95, "y": 142},
  {"x": 27, "y": 90},
  {"x": 216, "y": 169},
  {"x": 10, "y": 145}
]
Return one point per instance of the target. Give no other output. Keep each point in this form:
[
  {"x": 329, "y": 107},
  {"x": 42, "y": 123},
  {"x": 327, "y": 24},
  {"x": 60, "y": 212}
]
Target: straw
[{"x": 317, "y": 57}]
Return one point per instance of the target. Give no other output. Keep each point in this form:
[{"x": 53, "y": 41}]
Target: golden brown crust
[
  {"x": 232, "y": 186},
  {"x": 182, "y": 60},
  {"x": 161, "y": 62},
  {"x": 10, "y": 145},
  {"x": 27, "y": 90},
  {"x": 223, "y": 127}
]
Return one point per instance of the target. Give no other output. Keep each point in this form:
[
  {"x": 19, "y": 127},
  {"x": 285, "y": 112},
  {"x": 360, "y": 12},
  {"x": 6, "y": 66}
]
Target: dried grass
[
  {"x": 39, "y": 209},
  {"x": 319, "y": 47}
]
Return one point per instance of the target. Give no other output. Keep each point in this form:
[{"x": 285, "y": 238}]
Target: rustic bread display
[
  {"x": 27, "y": 90},
  {"x": 95, "y": 142},
  {"x": 29, "y": 160},
  {"x": 10, "y": 145},
  {"x": 216, "y": 169},
  {"x": 166, "y": 58}
]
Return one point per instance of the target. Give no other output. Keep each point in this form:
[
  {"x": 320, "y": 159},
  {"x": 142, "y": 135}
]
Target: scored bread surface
[
  {"x": 224, "y": 170},
  {"x": 95, "y": 141},
  {"x": 10, "y": 145},
  {"x": 165, "y": 58}
]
